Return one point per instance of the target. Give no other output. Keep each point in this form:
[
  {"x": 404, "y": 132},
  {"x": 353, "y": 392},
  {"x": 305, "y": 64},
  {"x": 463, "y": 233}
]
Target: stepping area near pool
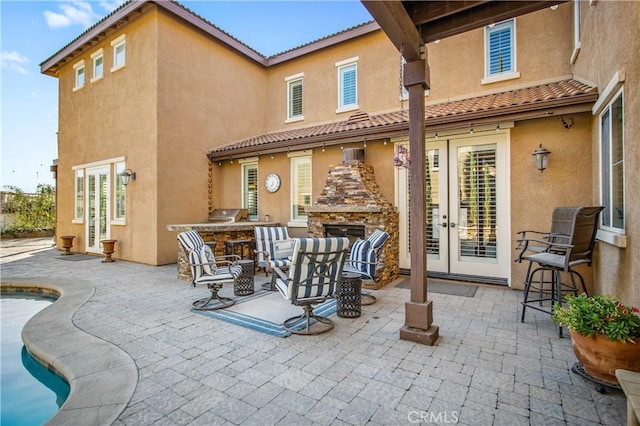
[{"x": 124, "y": 336}]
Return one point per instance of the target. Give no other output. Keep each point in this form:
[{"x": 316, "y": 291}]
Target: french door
[
  {"x": 467, "y": 223},
  {"x": 97, "y": 208}
]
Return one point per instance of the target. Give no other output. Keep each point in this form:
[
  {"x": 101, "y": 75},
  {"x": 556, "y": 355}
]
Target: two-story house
[{"x": 203, "y": 120}]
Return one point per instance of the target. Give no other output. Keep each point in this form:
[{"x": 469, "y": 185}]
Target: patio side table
[
  {"x": 348, "y": 298},
  {"x": 244, "y": 284}
]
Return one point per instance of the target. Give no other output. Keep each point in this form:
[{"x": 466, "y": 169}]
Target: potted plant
[{"x": 604, "y": 332}]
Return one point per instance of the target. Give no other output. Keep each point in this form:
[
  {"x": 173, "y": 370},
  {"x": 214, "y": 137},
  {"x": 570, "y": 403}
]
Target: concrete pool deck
[{"x": 163, "y": 364}]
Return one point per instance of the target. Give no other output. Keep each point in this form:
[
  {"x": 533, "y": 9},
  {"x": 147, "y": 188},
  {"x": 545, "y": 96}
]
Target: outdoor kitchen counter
[{"x": 220, "y": 232}]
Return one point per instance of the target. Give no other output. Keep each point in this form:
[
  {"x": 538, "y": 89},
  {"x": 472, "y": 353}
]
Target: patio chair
[
  {"x": 207, "y": 270},
  {"x": 313, "y": 277},
  {"x": 365, "y": 258},
  {"x": 557, "y": 252},
  {"x": 269, "y": 252}
]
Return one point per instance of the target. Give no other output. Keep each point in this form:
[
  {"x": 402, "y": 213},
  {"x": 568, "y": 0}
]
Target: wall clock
[{"x": 272, "y": 183}]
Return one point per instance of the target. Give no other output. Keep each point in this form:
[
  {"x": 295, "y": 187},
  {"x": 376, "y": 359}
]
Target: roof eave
[{"x": 572, "y": 105}]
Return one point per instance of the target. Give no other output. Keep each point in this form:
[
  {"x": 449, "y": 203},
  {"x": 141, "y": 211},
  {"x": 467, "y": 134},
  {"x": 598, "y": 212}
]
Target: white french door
[
  {"x": 467, "y": 223},
  {"x": 97, "y": 208}
]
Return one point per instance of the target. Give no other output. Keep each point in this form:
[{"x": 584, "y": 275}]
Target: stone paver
[{"x": 487, "y": 369}]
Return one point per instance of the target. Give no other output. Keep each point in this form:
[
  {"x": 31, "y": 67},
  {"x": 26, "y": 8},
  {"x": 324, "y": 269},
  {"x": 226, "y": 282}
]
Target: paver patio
[{"x": 488, "y": 368}]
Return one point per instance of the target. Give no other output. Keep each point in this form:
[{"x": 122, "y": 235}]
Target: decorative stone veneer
[
  {"x": 352, "y": 196},
  {"x": 218, "y": 232}
]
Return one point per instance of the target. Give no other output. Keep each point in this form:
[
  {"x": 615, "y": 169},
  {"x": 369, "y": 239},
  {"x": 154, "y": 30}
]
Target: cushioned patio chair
[
  {"x": 366, "y": 255},
  {"x": 209, "y": 271},
  {"x": 558, "y": 252},
  {"x": 269, "y": 249},
  {"x": 313, "y": 277}
]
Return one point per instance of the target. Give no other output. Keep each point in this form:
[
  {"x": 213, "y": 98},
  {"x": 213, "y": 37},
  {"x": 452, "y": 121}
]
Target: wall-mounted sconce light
[
  {"x": 126, "y": 176},
  {"x": 365, "y": 143},
  {"x": 541, "y": 157}
]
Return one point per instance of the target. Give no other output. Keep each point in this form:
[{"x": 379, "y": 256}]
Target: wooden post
[{"x": 418, "y": 326}]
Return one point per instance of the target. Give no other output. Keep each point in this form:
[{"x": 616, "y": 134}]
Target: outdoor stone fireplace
[{"x": 352, "y": 199}]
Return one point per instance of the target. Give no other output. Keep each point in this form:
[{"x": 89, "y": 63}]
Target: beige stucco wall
[
  {"x": 565, "y": 183},
  {"x": 203, "y": 92},
  {"x": 543, "y": 48},
  {"x": 377, "y": 83},
  {"x": 110, "y": 118},
  {"x": 610, "y": 43}
]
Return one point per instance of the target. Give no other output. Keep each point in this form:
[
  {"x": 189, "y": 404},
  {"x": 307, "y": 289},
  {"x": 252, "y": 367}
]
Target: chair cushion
[
  {"x": 370, "y": 268},
  {"x": 190, "y": 239},
  {"x": 359, "y": 254},
  {"x": 378, "y": 238},
  {"x": 265, "y": 236},
  {"x": 199, "y": 260}
]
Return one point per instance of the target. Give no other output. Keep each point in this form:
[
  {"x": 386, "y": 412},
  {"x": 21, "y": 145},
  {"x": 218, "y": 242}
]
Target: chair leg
[
  {"x": 203, "y": 304},
  {"x": 322, "y": 324}
]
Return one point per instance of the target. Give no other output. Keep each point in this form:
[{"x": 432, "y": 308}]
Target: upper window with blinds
[
  {"x": 347, "y": 84},
  {"x": 294, "y": 97},
  {"x": 500, "y": 52}
]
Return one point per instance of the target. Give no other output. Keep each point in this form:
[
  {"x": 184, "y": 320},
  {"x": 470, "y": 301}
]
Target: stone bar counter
[{"x": 220, "y": 232}]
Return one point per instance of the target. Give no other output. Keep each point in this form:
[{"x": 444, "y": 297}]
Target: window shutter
[
  {"x": 349, "y": 85},
  {"x": 295, "y": 99},
  {"x": 500, "y": 50}
]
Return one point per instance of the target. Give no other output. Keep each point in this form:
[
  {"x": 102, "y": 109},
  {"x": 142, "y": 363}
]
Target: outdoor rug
[
  {"x": 265, "y": 311},
  {"x": 442, "y": 287}
]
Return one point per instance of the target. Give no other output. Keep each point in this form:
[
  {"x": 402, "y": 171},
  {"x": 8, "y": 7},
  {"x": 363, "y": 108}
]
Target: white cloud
[
  {"x": 72, "y": 12},
  {"x": 14, "y": 61}
]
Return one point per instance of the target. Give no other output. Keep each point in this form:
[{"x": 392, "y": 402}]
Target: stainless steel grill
[{"x": 229, "y": 215}]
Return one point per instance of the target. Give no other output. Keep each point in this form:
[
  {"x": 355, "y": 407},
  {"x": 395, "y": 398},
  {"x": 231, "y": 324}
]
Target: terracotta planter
[
  {"x": 601, "y": 357},
  {"x": 108, "y": 247},
  {"x": 67, "y": 244}
]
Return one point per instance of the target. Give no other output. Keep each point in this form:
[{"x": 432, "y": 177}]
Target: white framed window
[
  {"x": 611, "y": 126},
  {"x": 294, "y": 98},
  {"x": 119, "y": 52},
  {"x": 250, "y": 188},
  {"x": 78, "y": 210},
  {"x": 98, "y": 65},
  {"x": 78, "y": 68},
  {"x": 576, "y": 31},
  {"x": 500, "y": 52},
  {"x": 347, "y": 85},
  {"x": 300, "y": 186},
  {"x": 120, "y": 192}
]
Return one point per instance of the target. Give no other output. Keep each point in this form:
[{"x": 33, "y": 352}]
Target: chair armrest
[{"x": 281, "y": 274}]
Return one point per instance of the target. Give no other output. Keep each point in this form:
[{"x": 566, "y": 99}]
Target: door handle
[
  {"x": 452, "y": 224},
  {"x": 443, "y": 224}
]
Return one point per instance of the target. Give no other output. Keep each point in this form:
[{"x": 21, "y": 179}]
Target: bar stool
[{"x": 231, "y": 247}]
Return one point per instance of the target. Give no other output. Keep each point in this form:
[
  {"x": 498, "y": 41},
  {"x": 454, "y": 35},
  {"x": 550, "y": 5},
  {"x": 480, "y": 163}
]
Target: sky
[{"x": 31, "y": 31}]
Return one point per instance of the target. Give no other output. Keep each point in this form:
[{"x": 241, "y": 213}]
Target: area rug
[
  {"x": 265, "y": 311},
  {"x": 441, "y": 287}
]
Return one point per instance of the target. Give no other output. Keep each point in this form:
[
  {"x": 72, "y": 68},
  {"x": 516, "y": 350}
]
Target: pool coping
[{"x": 102, "y": 377}]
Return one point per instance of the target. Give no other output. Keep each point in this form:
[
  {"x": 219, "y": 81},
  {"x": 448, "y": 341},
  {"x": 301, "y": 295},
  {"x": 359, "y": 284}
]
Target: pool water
[{"x": 30, "y": 394}]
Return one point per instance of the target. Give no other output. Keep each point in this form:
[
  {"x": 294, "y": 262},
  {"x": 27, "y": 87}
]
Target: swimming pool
[{"x": 30, "y": 393}]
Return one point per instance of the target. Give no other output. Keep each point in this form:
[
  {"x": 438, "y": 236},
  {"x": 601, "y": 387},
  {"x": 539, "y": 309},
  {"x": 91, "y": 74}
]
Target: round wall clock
[{"x": 272, "y": 183}]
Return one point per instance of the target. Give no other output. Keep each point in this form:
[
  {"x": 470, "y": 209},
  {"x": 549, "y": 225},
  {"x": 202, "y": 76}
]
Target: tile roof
[{"x": 556, "y": 94}]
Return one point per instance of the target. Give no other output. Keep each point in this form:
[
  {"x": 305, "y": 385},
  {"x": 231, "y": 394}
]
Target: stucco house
[{"x": 202, "y": 119}]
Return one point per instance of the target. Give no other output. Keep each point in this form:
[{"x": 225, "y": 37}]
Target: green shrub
[{"x": 33, "y": 212}]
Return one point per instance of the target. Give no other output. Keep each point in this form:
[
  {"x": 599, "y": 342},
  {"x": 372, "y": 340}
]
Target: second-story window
[
  {"x": 98, "y": 65},
  {"x": 79, "y": 75},
  {"x": 119, "y": 52},
  {"x": 500, "y": 50},
  {"x": 294, "y": 97},
  {"x": 347, "y": 84}
]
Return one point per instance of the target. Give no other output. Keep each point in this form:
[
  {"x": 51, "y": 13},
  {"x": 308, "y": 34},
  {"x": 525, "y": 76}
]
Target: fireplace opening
[{"x": 353, "y": 232}]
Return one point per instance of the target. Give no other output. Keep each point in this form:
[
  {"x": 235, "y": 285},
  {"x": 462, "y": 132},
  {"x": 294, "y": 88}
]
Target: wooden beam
[
  {"x": 485, "y": 13},
  {"x": 397, "y": 25}
]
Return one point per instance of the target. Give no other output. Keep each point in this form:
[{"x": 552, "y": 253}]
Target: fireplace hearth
[{"x": 350, "y": 200}]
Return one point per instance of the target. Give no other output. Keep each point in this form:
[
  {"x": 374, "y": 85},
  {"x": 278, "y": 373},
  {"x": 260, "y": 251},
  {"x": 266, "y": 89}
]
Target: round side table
[{"x": 244, "y": 284}]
